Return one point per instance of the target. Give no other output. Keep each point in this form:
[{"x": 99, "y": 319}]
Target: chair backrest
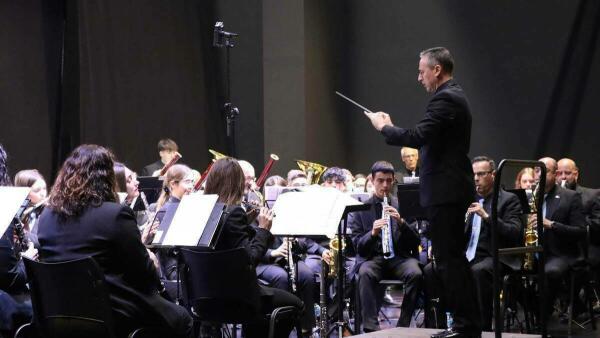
[
  {"x": 70, "y": 299},
  {"x": 221, "y": 285}
]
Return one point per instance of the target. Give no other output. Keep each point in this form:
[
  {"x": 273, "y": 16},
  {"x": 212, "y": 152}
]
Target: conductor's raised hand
[
  {"x": 265, "y": 218},
  {"x": 379, "y": 119}
]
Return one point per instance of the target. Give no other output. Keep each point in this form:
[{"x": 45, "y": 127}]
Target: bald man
[
  {"x": 564, "y": 229},
  {"x": 569, "y": 173}
]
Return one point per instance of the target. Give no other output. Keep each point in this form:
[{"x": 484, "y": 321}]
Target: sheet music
[
  {"x": 190, "y": 219},
  {"x": 11, "y": 199},
  {"x": 315, "y": 211}
]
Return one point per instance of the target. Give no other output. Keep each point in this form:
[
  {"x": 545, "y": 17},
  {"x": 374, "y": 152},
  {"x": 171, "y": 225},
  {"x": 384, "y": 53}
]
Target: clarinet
[
  {"x": 323, "y": 319},
  {"x": 385, "y": 232},
  {"x": 21, "y": 242},
  {"x": 291, "y": 265},
  {"x": 146, "y": 206}
]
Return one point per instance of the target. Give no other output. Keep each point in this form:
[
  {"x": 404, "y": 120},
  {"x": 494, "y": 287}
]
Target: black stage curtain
[{"x": 122, "y": 74}]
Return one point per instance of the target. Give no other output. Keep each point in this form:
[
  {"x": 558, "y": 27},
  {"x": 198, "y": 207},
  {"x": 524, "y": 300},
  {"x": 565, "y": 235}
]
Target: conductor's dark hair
[
  {"x": 4, "y": 178},
  {"x": 382, "y": 167},
  {"x": 489, "y": 160},
  {"x": 439, "y": 56}
]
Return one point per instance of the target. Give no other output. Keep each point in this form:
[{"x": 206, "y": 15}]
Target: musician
[
  {"x": 371, "y": 264},
  {"x": 410, "y": 159},
  {"x": 15, "y": 303},
  {"x": 590, "y": 198},
  {"x": 525, "y": 179},
  {"x": 478, "y": 230},
  {"x": 84, "y": 218},
  {"x": 297, "y": 178},
  {"x": 179, "y": 181},
  {"x": 349, "y": 183},
  {"x": 249, "y": 176},
  {"x": 167, "y": 149},
  {"x": 275, "y": 180},
  {"x": 564, "y": 229},
  {"x": 227, "y": 180},
  {"x": 443, "y": 139},
  {"x": 335, "y": 177},
  {"x": 37, "y": 200},
  {"x": 360, "y": 182}
]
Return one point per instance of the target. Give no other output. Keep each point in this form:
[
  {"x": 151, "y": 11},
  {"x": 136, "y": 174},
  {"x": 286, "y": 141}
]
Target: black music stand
[
  {"x": 409, "y": 201},
  {"x": 14, "y": 201},
  {"x": 340, "y": 324},
  {"x": 151, "y": 186}
]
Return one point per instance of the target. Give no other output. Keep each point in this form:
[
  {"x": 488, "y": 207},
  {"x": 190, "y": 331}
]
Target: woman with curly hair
[{"x": 83, "y": 218}]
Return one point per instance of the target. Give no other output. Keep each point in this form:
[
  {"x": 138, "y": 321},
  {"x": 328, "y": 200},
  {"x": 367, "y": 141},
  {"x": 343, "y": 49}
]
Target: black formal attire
[
  {"x": 237, "y": 232},
  {"x": 446, "y": 177},
  {"x": 273, "y": 272},
  {"x": 562, "y": 242},
  {"x": 15, "y": 303},
  {"x": 151, "y": 168},
  {"x": 404, "y": 172},
  {"x": 482, "y": 265},
  {"x": 109, "y": 234},
  {"x": 373, "y": 267},
  {"x": 590, "y": 199}
]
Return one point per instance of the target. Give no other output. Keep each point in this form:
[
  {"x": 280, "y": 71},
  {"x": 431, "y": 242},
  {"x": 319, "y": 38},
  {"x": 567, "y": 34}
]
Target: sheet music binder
[
  {"x": 11, "y": 200},
  {"x": 179, "y": 220},
  {"x": 151, "y": 186},
  {"x": 409, "y": 201}
]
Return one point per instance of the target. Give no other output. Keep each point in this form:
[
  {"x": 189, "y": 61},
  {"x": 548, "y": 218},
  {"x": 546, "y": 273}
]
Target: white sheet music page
[
  {"x": 315, "y": 211},
  {"x": 11, "y": 199},
  {"x": 190, "y": 219}
]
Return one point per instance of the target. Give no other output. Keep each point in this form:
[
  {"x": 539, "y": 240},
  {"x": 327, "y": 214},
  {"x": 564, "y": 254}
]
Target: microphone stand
[{"x": 223, "y": 39}]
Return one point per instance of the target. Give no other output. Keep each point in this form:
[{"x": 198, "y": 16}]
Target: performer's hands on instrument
[
  {"x": 477, "y": 208},
  {"x": 393, "y": 213},
  {"x": 377, "y": 226},
  {"x": 265, "y": 218},
  {"x": 156, "y": 173},
  {"x": 379, "y": 119},
  {"x": 281, "y": 251},
  {"x": 154, "y": 259},
  {"x": 31, "y": 252},
  {"x": 548, "y": 224},
  {"x": 149, "y": 232},
  {"x": 327, "y": 256}
]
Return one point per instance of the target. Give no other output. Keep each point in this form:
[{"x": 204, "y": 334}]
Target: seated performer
[
  {"x": 83, "y": 218},
  {"x": 371, "y": 264},
  {"x": 127, "y": 183},
  {"x": 525, "y": 179},
  {"x": 410, "y": 160},
  {"x": 478, "y": 230},
  {"x": 37, "y": 200},
  {"x": 564, "y": 229},
  {"x": 15, "y": 303},
  {"x": 226, "y": 179},
  {"x": 167, "y": 149}
]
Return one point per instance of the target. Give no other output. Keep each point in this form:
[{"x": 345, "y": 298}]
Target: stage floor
[{"x": 411, "y": 332}]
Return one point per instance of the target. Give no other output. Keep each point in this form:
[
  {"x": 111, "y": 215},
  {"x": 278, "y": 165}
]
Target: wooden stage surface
[{"x": 425, "y": 333}]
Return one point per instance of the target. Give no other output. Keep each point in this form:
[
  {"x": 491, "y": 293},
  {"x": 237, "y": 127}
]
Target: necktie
[{"x": 475, "y": 229}]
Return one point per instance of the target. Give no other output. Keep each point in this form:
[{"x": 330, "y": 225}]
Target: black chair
[
  {"x": 222, "y": 287},
  {"x": 70, "y": 299}
]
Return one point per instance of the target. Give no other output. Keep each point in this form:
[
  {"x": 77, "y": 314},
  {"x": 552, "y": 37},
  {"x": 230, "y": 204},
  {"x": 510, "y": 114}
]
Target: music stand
[
  {"x": 12, "y": 200},
  {"x": 151, "y": 186},
  {"x": 409, "y": 202}
]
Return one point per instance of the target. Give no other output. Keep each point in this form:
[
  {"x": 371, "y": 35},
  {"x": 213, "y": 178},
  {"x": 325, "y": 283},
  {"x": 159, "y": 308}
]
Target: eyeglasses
[{"x": 482, "y": 173}]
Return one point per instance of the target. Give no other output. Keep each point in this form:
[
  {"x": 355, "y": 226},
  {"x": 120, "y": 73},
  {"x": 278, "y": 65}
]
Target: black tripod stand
[{"x": 223, "y": 39}]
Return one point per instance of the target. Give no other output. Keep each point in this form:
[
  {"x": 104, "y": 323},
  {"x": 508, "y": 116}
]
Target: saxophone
[
  {"x": 385, "y": 231},
  {"x": 334, "y": 246},
  {"x": 531, "y": 235}
]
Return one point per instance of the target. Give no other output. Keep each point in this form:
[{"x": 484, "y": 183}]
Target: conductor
[{"x": 443, "y": 138}]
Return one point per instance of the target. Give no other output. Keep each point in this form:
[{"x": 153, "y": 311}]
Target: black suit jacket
[
  {"x": 443, "y": 138},
  {"x": 406, "y": 240},
  {"x": 237, "y": 232},
  {"x": 564, "y": 207},
  {"x": 509, "y": 228},
  {"x": 110, "y": 235},
  {"x": 151, "y": 168}
]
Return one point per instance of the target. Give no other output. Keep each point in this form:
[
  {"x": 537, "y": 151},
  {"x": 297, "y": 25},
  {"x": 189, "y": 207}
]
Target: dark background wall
[{"x": 136, "y": 71}]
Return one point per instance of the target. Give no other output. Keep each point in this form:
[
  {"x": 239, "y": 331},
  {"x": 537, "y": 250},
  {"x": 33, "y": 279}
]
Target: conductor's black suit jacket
[{"x": 443, "y": 138}]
